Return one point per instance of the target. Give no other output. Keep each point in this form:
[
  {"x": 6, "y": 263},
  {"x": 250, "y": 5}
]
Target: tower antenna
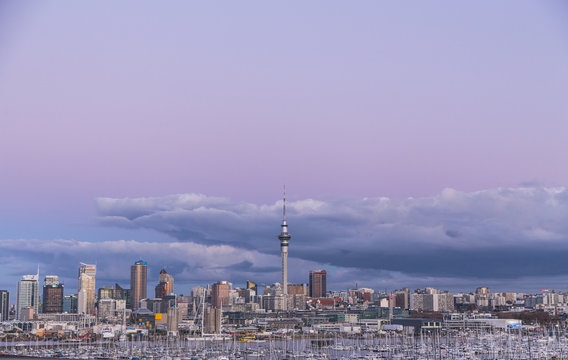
[{"x": 284, "y": 206}]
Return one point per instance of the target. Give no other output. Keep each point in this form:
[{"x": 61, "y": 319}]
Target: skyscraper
[
  {"x": 297, "y": 289},
  {"x": 165, "y": 285},
  {"x": 106, "y": 292},
  {"x": 253, "y": 286},
  {"x": 284, "y": 237},
  {"x": 318, "y": 283},
  {"x": 211, "y": 320},
  {"x": 220, "y": 294},
  {"x": 138, "y": 283},
  {"x": 28, "y": 294},
  {"x": 87, "y": 278},
  {"x": 4, "y": 304},
  {"x": 82, "y": 302},
  {"x": 52, "y": 295},
  {"x": 402, "y": 298},
  {"x": 122, "y": 294},
  {"x": 70, "y": 304}
]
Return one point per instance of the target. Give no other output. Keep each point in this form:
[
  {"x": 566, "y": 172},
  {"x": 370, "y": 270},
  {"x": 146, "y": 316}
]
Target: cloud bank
[
  {"x": 514, "y": 238},
  {"x": 505, "y": 233}
]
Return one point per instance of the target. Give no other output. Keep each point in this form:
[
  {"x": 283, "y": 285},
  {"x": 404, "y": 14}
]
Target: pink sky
[{"x": 136, "y": 99}]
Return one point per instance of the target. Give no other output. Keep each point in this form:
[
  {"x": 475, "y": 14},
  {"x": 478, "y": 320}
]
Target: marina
[{"x": 502, "y": 345}]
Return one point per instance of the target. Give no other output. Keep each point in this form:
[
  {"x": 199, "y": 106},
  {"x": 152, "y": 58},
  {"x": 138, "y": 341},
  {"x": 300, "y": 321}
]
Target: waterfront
[{"x": 441, "y": 345}]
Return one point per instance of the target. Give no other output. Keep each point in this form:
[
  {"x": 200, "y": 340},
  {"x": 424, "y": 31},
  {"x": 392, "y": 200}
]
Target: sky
[{"x": 421, "y": 143}]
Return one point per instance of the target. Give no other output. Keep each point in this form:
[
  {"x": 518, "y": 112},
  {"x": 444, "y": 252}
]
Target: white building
[
  {"x": 87, "y": 278},
  {"x": 82, "y": 302},
  {"x": 28, "y": 294}
]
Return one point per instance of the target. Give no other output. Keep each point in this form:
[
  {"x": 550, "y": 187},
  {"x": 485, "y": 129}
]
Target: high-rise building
[
  {"x": 4, "y": 305},
  {"x": 402, "y": 298},
  {"x": 51, "y": 280},
  {"x": 220, "y": 294},
  {"x": 165, "y": 285},
  {"x": 52, "y": 295},
  {"x": 87, "y": 278},
  {"x": 297, "y": 289},
  {"x": 138, "y": 283},
  {"x": 253, "y": 286},
  {"x": 173, "y": 320},
  {"x": 70, "y": 304},
  {"x": 82, "y": 302},
  {"x": 482, "y": 291},
  {"x": 211, "y": 320},
  {"x": 284, "y": 238},
  {"x": 122, "y": 294},
  {"x": 106, "y": 292},
  {"x": 318, "y": 283},
  {"x": 109, "y": 308},
  {"x": 28, "y": 294},
  {"x": 432, "y": 300}
]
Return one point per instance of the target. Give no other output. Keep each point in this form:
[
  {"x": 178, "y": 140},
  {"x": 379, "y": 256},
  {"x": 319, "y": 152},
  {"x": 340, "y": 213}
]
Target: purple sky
[{"x": 139, "y": 99}]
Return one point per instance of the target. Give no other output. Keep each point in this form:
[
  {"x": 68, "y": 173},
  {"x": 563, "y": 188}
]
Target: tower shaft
[{"x": 284, "y": 252}]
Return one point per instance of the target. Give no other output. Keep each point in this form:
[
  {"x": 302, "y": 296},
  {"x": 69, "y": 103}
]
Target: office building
[
  {"x": 70, "y": 304},
  {"x": 284, "y": 238},
  {"x": 211, "y": 320},
  {"x": 318, "y": 283},
  {"x": 138, "y": 283},
  {"x": 220, "y": 294},
  {"x": 122, "y": 294},
  {"x": 482, "y": 291},
  {"x": 252, "y": 286},
  {"x": 4, "y": 305},
  {"x": 173, "y": 320},
  {"x": 87, "y": 278},
  {"x": 432, "y": 300},
  {"x": 275, "y": 302},
  {"x": 51, "y": 280},
  {"x": 27, "y": 294},
  {"x": 27, "y": 313},
  {"x": 110, "y": 308},
  {"x": 165, "y": 285},
  {"x": 297, "y": 289},
  {"x": 82, "y": 306},
  {"x": 52, "y": 295},
  {"x": 402, "y": 298},
  {"x": 105, "y": 293}
]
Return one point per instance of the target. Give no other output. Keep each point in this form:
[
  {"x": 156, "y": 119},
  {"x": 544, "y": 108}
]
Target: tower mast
[{"x": 284, "y": 237}]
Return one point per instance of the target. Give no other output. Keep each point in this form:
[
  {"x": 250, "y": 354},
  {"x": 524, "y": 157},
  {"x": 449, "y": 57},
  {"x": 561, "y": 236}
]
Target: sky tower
[{"x": 284, "y": 237}]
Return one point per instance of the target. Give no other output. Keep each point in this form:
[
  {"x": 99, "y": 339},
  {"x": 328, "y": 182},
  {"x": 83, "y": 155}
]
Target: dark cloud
[
  {"x": 190, "y": 263},
  {"x": 496, "y": 233},
  {"x": 510, "y": 236}
]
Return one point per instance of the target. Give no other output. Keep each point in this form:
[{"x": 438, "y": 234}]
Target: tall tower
[
  {"x": 138, "y": 284},
  {"x": 284, "y": 237}
]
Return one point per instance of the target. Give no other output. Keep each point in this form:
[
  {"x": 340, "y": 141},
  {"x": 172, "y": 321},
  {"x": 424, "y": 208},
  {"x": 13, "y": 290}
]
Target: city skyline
[
  {"x": 419, "y": 146},
  {"x": 259, "y": 253}
]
